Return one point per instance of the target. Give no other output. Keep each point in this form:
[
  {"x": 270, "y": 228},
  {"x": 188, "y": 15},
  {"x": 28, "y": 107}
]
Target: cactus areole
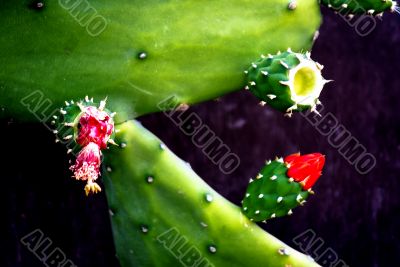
[{"x": 87, "y": 129}]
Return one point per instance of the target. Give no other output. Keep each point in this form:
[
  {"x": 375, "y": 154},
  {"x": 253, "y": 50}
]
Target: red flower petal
[{"x": 305, "y": 169}]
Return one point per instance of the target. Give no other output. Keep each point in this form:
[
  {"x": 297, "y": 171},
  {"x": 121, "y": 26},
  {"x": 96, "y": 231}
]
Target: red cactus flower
[
  {"x": 96, "y": 126},
  {"x": 87, "y": 167},
  {"x": 305, "y": 169}
]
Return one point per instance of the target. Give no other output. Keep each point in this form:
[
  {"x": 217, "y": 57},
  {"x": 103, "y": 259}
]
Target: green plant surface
[
  {"x": 163, "y": 214},
  {"x": 196, "y": 50}
]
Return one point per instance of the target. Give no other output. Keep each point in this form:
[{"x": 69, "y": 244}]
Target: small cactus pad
[
  {"x": 274, "y": 194},
  {"x": 352, "y": 7},
  {"x": 286, "y": 81}
]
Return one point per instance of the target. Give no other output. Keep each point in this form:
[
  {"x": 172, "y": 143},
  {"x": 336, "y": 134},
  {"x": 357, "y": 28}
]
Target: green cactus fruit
[
  {"x": 353, "y": 7},
  {"x": 140, "y": 52},
  {"x": 163, "y": 214},
  {"x": 286, "y": 81},
  {"x": 281, "y": 186}
]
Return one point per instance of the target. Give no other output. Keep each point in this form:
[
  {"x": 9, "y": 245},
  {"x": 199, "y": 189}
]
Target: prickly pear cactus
[
  {"x": 281, "y": 186},
  {"x": 370, "y": 7},
  {"x": 286, "y": 81},
  {"x": 163, "y": 214},
  {"x": 145, "y": 51}
]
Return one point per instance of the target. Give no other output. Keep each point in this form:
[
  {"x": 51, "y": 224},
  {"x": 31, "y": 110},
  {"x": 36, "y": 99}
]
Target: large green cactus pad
[
  {"x": 162, "y": 213},
  {"x": 194, "y": 49}
]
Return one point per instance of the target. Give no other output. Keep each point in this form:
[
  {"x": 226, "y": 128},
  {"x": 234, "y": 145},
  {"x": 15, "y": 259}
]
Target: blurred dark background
[{"x": 356, "y": 215}]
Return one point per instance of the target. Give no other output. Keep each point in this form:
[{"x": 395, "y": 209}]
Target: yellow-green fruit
[{"x": 286, "y": 81}]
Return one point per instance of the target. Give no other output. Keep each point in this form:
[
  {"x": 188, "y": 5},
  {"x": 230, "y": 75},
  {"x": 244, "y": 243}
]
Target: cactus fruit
[
  {"x": 281, "y": 186},
  {"x": 286, "y": 81},
  {"x": 163, "y": 214},
  {"x": 85, "y": 127},
  {"x": 369, "y": 7},
  {"x": 148, "y": 50}
]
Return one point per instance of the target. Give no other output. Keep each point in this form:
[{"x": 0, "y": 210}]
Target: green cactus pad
[
  {"x": 287, "y": 81},
  {"x": 370, "y": 7},
  {"x": 163, "y": 214},
  {"x": 272, "y": 194},
  {"x": 148, "y": 50}
]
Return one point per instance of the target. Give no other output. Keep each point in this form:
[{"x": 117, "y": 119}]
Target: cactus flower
[
  {"x": 95, "y": 125},
  {"x": 305, "y": 169},
  {"x": 87, "y": 167}
]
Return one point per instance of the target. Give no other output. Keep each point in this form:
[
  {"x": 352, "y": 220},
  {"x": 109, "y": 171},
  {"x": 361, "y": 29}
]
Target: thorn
[
  {"x": 112, "y": 142},
  {"x": 311, "y": 191},
  {"x": 284, "y": 82},
  {"x": 63, "y": 111},
  {"x": 246, "y": 88},
  {"x": 260, "y": 195},
  {"x": 344, "y": 5},
  {"x": 66, "y": 103},
  {"x": 299, "y": 198},
  {"x": 55, "y": 117},
  {"x": 268, "y": 162},
  {"x": 370, "y": 12},
  {"x": 259, "y": 176},
  {"x": 55, "y": 132},
  {"x": 251, "y": 180},
  {"x": 271, "y": 96},
  {"x": 113, "y": 114},
  {"x": 86, "y": 98},
  {"x": 319, "y": 66},
  {"x": 279, "y": 199},
  {"x": 53, "y": 122},
  {"x": 246, "y": 72},
  {"x": 273, "y": 215},
  {"x": 254, "y": 65},
  {"x": 284, "y": 64},
  {"x": 57, "y": 140},
  {"x": 69, "y": 124},
  {"x": 257, "y": 212},
  {"x": 290, "y": 212},
  {"x": 102, "y": 104},
  {"x": 289, "y": 49},
  {"x": 264, "y": 72},
  {"x": 263, "y": 56},
  {"x": 81, "y": 107},
  {"x": 247, "y": 194},
  {"x": 244, "y": 208},
  {"x": 68, "y": 137},
  {"x": 273, "y": 177},
  {"x": 253, "y": 83},
  {"x": 291, "y": 180},
  {"x": 279, "y": 159},
  {"x": 69, "y": 151},
  {"x": 270, "y": 56},
  {"x": 262, "y": 103}
]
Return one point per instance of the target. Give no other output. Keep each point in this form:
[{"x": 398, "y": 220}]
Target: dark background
[{"x": 356, "y": 215}]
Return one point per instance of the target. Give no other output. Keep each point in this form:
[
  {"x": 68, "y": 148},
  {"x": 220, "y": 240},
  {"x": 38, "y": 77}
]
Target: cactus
[
  {"x": 370, "y": 7},
  {"x": 163, "y": 213},
  {"x": 148, "y": 50},
  {"x": 281, "y": 186},
  {"x": 287, "y": 81}
]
